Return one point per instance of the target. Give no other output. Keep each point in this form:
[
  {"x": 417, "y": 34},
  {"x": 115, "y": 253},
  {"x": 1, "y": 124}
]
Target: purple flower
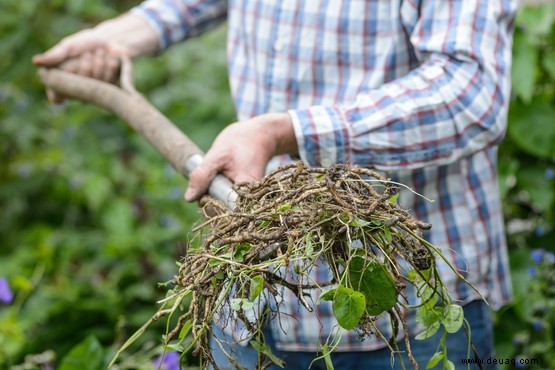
[
  {"x": 537, "y": 254},
  {"x": 6, "y": 295},
  {"x": 532, "y": 271},
  {"x": 167, "y": 361},
  {"x": 537, "y": 325}
]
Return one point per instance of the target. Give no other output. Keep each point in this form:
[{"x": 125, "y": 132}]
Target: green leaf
[
  {"x": 173, "y": 346},
  {"x": 545, "y": 346},
  {"x": 264, "y": 223},
  {"x": 387, "y": 234},
  {"x": 429, "y": 296},
  {"x": 240, "y": 251},
  {"x": 426, "y": 315},
  {"x": 97, "y": 189},
  {"x": 548, "y": 62},
  {"x": 525, "y": 59},
  {"x": 235, "y": 304},
  {"x": 393, "y": 198},
  {"x": 453, "y": 319},
  {"x": 257, "y": 284},
  {"x": 118, "y": 218},
  {"x": 87, "y": 355},
  {"x": 532, "y": 180},
  {"x": 430, "y": 330},
  {"x": 327, "y": 295},
  {"x": 348, "y": 307},
  {"x": 265, "y": 349},
  {"x": 536, "y": 21},
  {"x": 218, "y": 275},
  {"x": 213, "y": 262},
  {"x": 436, "y": 358},
  {"x": 247, "y": 305},
  {"x": 376, "y": 283},
  {"x": 449, "y": 365},
  {"x": 359, "y": 222},
  {"x": 532, "y": 129},
  {"x": 185, "y": 329},
  {"x": 284, "y": 207}
]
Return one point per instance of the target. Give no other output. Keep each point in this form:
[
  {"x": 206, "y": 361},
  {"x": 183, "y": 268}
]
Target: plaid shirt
[{"x": 416, "y": 88}]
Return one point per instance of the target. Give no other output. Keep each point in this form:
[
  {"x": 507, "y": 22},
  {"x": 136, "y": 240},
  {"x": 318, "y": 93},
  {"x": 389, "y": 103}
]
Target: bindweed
[
  {"x": 167, "y": 361},
  {"x": 537, "y": 255},
  {"x": 6, "y": 295}
]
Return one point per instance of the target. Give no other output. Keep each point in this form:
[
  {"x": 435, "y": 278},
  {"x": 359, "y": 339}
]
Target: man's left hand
[{"x": 242, "y": 151}]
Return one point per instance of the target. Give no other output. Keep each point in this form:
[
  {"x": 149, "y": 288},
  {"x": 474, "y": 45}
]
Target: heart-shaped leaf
[
  {"x": 376, "y": 283},
  {"x": 348, "y": 307}
]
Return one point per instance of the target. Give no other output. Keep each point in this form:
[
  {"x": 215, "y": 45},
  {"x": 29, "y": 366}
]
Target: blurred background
[{"x": 92, "y": 218}]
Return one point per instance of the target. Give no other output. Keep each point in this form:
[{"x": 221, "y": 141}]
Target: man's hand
[
  {"x": 242, "y": 151},
  {"x": 93, "y": 56},
  {"x": 96, "y": 52}
]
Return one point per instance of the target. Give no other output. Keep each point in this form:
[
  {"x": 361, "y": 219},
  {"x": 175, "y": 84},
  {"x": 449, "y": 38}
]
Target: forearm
[
  {"x": 176, "y": 20},
  {"x": 440, "y": 112},
  {"x": 130, "y": 32}
]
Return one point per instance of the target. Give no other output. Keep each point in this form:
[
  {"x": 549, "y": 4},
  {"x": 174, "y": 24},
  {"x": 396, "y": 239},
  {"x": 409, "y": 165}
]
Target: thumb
[
  {"x": 199, "y": 180},
  {"x": 53, "y": 56}
]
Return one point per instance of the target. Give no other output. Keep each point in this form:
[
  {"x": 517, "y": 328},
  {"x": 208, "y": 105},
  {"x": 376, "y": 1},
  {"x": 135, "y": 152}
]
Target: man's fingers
[
  {"x": 98, "y": 64},
  {"x": 199, "y": 180},
  {"x": 53, "y": 56},
  {"x": 111, "y": 68},
  {"x": 74, "y": 46},
  {"x": 85, "y": 64},
  {"x": 254, "y": 173},
  {"x": 66, "y": 49}
]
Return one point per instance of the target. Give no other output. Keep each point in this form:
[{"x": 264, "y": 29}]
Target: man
[{"x": 415, "y": 88}]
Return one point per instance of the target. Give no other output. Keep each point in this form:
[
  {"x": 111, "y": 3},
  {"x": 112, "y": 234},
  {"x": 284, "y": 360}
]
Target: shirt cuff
[
  {"x": 164, "y": 20},
  {"x": 322, "y": 135}
]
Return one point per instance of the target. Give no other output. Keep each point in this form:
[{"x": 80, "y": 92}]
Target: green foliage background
[{"x": 92, "y": 218}]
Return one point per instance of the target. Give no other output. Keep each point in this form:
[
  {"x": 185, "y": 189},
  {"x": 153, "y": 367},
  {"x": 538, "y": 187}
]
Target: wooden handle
[{"x": 182, "y": 153}]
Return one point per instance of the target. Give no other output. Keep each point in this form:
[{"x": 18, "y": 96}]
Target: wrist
[
  {"x": 131, "y": 33},
  {"x": 279, "y": 128}
]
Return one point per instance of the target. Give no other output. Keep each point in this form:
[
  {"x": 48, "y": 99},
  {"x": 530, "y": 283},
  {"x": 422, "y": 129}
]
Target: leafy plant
[
  {"x": 527, "y": 173},
  {"x": 92, "y": 218},
  {"x": 283, "y": 227}
]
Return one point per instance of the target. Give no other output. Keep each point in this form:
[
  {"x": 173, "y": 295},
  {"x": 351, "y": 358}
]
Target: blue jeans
[{"x": 476, "y": 312}]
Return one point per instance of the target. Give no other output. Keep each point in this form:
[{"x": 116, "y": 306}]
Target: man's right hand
[
  {"x": 96, "y": 52},
  {"x": 91, "y": 55}
]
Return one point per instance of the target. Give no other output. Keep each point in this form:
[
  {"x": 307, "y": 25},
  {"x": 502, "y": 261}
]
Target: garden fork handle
[{"x": 182, "y": 153}]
